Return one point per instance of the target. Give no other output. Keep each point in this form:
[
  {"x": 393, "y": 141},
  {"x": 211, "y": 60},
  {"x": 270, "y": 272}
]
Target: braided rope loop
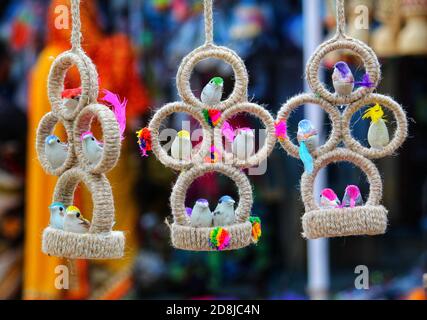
[
  {"x": 76, "y": 34},
  {"x": 208, "y": 16}
]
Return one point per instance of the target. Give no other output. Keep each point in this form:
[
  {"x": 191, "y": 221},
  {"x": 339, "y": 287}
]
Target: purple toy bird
[{"x": 343, "y": 79}]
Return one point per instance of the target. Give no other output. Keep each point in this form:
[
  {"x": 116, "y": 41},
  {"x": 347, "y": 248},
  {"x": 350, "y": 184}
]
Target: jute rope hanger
[
  {"x": 100, "y": 242},
  {"x": 183, "y": 235}
]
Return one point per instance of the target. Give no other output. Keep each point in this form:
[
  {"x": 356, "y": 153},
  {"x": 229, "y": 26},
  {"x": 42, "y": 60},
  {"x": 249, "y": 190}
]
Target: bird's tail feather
[{"x": 306, "y": 157}]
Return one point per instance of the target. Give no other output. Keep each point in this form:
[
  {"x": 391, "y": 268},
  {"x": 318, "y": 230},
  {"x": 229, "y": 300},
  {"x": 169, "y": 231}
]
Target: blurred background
[{"x": 137, "y": 46}]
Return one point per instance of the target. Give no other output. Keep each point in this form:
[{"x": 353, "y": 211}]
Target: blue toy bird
[
  {"x": 308, "y": 140},
  {"x": 57, "y": 215}
]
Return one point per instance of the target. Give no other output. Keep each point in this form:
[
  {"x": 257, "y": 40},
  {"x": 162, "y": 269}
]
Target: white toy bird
[
  {"x": 182, "y": 147},
  {"x": 201, "y": 215},
  {"x": 74, "y": 221},
  {"x": 224, "y": 212},
  {"x": 244, "y": 143},
  {"x": 378, "y": 136},
  {"x": 212, "y": 92},
  {"x": 329, "y": 199},
  {"x": 56, "y": 151},
  {"x": 57, "y": 215},
  {"x": 92, "y": 148},
  {"x": 343, "y": 79}
]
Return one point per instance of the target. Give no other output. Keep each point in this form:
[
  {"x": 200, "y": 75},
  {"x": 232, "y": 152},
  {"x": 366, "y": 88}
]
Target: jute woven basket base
[
  {"x": 70, "y": 245},
  {"x": 365, "y": 220},
  {"x": 197, "y": 239}
]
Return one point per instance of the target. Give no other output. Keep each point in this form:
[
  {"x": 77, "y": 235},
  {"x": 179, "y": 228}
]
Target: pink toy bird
[
  {"x": 119, "y": 109},
  {"x": 329, "y": 199},
  {"x": 352, "y": 197}
]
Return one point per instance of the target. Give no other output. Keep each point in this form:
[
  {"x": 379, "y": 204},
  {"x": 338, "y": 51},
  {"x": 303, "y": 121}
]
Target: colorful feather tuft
[
  {"x": 212, "y": 116},
  {"x": 119, "y": 109},
  {"x": 219, "y": 239},
  {"x": 366, "y": 82},
  {"x": 228, "y": 131},
  {"x": 71, "y": 93},
  {"x": 256, "y": 228},
  {"x": 214, "y": 156},
  {"x": 281, "y": 130},
  {"x": 144, "y": 141}
]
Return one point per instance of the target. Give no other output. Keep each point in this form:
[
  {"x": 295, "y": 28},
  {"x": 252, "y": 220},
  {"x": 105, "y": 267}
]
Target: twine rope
[
  {"x": 340, "y": 8},
  {"x": 208, "y": 16},
  {"x": 76, "y": 34}
]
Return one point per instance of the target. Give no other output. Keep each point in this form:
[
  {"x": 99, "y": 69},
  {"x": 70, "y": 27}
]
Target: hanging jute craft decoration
[
  {"x": 246, "y": 229},
  {"x": 100, "y": 242},
  {"x": 371, "y": 218}
]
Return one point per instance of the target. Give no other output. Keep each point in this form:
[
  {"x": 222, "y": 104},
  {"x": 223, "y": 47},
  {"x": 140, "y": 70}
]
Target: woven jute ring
[
  {"x": 270, "y": 139},
  {"x": 370, "y": 219},
  {"x": 45, "y": 129},
  {"x": 161, "y": 153},
  {"x": 399, "y": 136},
  {"x": 100, "y": 242},
  {"x": 333, "y": 113},
  {"x": 88, "y": 78},
  {"x": 111, "y": 137},
  {"x": 368, "y": 56},
  {"x": 189, "y": 238},
  {"x": 227, "y": 55}
]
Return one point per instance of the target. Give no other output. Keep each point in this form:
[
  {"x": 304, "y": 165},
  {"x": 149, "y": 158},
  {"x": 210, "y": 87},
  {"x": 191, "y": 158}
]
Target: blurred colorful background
[{"x": 137, "y": 46}]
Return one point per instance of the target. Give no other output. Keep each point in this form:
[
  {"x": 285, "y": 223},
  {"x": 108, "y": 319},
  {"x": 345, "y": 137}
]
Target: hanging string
[
  {"x": 76, "y": 34},
  {"x": 208, "y": 21},
  {"x": 340, "y": 8}
]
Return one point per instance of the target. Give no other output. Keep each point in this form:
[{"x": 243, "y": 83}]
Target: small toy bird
[
  {"x": 343, "y": 79},
  {"x": 92, "y": 148},
  {"x": 308, "y": 140},
  {"x": 329, "y": 199},
  {"x": 201, "y": 215},
  {"x": 352, "y": 197},
  {"x": 57, "y": 215},
  {"x": 244, "y": 143},
  {"x": 182, "y": 147},
  {"x": 212, "y": 92},
  {"x": 71, "y": 97},
  {"x": 74, "y": 221},
  {"x": 224, "y": 212},
  {"x": 56, "y": 151},
  {"x": 119, "y": 109},
  {"x": 378, "y": 136}
]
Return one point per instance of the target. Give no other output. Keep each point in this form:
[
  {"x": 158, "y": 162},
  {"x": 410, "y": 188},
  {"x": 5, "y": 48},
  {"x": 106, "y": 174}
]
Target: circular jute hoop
[
  {"x": 270, "y": 139},
  {"x": 161, "y": 153},
  {"x": 101, "y": 242},
  {"x": 334, "y": 115},
  {"x": 190, "y": 238},
  {"x": 111, "y": 137},
  {"x": 227, "y": 55},
  {"x": 370, "y": 61},
  {"x": 400, "y": 134},
  {"x": 45, "y": 128},
  {"x": 88, "y": 78},
  {"x": 370, "y": 219}
]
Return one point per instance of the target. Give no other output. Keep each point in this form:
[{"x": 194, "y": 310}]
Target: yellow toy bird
[
  {"x": 378, "y": 136},
  {"x": 74, "y": 221}
]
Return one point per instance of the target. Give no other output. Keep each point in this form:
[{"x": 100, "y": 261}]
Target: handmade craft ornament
[
  {"x": 244, "y": 144},
  {"x": 56, "y": 151},
  {"x": 119, "y": 109},
  {"x": 71, "y": 97},
  {"x": 74, "y": 221},
  {"x": 181, "y": 146},
  {"x": 378, "y": 136},
  {"x": 57, "y": 215},
  {"x": 212, "y": 92},
  {"x": 352, "y": 197},
  {"x": 92, "y": 148},
  {"x": 256, "y": 228},
  {"x": 342, "y": 79},
  {"x": 224, "y": 212},
  {"x": 201, "y": 215},
  {"x": 144, "y": 141},
  {"x": 219, "y": 238},
  {"x": 329, "y": 199},
  {"x": 212, "y": 117}
]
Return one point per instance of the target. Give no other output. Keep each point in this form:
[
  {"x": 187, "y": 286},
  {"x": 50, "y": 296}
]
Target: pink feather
[
  {"x": 228, "y": 131},
  {"x": 119, "y": 109},
  {"x": 281, "y": 129}
]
